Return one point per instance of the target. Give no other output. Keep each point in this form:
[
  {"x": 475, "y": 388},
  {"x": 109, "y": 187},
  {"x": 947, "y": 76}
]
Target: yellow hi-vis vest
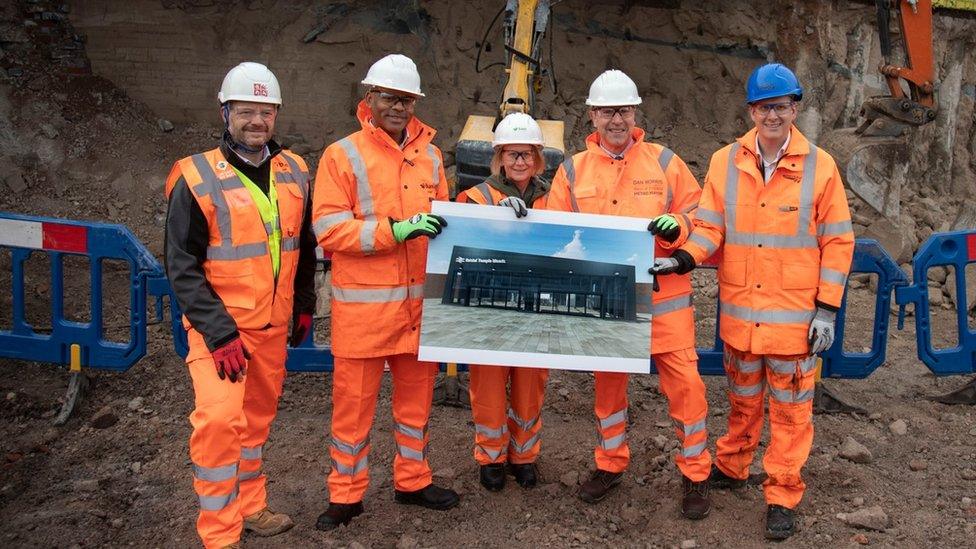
[{"x": 268, "y": 208}]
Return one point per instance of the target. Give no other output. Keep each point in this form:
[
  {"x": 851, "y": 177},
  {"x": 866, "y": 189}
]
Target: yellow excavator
[{"x": 525, "y": 24}]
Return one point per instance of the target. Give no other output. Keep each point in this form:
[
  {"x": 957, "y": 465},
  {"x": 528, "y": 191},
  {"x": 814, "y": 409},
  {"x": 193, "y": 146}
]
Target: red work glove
[
  {"x": 231, "y": 360},
  {"x": 301, "y": 326}
]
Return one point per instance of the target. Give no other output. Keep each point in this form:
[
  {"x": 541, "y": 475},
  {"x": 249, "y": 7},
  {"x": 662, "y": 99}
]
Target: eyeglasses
[
  {"x": 514, "y": 156},
  {"x": 248, "y": 114},
  {"x": 392, "y": 99},
  {"x": 607, "y": 113},
  {"x": 779, "y": 108}
]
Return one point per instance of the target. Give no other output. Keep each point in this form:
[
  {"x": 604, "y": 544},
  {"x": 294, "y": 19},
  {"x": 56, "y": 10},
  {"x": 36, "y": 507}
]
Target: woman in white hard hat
[{"x": 508, "y": 432}]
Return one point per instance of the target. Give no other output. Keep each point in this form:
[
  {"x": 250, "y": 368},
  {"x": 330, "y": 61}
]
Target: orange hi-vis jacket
[
  {"x": 485, "y": 194},
  {"x": 238, "y": 265},
  {"x": 363, "y": 181},
  {"x": 649, "y": 181},
  {"x": 788, "y": 243}
]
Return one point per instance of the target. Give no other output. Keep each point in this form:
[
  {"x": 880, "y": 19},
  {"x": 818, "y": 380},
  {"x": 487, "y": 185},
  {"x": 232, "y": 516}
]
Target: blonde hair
[{"x": 496, "y": 160}]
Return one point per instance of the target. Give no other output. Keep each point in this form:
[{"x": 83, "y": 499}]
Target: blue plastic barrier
[
  {"x": 955, "y": 249},
  {"x": 28, "y": 235}
]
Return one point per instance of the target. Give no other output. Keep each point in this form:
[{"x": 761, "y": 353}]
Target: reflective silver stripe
[
  {"x": 366, "y": 235},
  {"x": 411, "y": 432},
  {"x": 290, "y": 243},
  {"x": 216, "y": 503},
  {"x": 613, "y": 443},
  {"x": 831, "y": 275},
  {"x": 771, "y": 240},
  {"x": 731, "y": 189},
  {"x": 703, "y": 242},
  {"x": 746, "y": 390},
  {"x": 522, "y": 448},
  {"x": 806, "y": 191},
  {"x": 691, "y": 428},
  {"x": 686, "y": 219},
  {"x": 230, "y": 253},
  {"x": 782, "y": 366},
  {"x": 670, "y": 305},
  {"x": 808, "y": 364},
  {"x": 747, "y": 366},
  {"x": 789, "y": 397},
  {"x": 667, "y": 201},
  {"x": 571, "y": 177},
  {"x": 250, "y": 475},
  {"x": 665, "y": 158},
  {"x": 693, "y": 451},
  {"x": 768, "y": 316},
  {"x": 326, "y": 222},
  {"x": 492, "y": 454},
  {"x": 250, "y": 452},
  {"x": 485, "y": 192},
  {"x": 384, "y": 295},
  {"x": 432, "y": 152},
  {"x": 489, "y": 432},
  {"x": 410, "y": 453},
  {"x": 268, "y": 228},
  {"x": 350, "y": 449},
  {"x": 297, "y": 175},
  {"x": 210, "y": 183},
  {"x": 344, "y": 469},
  {"x": 689, "y": 208},
  {"x": 710, "y": 216},
  {"x": 214, "y": 187},
  {"x": 215, "y": 474},
  {"x": 524, "y": 425},
  {"x": 834, "y": 229},
  {"x": 615, "y": 418}
]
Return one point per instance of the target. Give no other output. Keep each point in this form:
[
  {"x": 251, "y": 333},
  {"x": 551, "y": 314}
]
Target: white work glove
[
  {"x": 821, "y": 333},
  {"x": 515, "y": 203},
  {"x": 664, "y": 265}
]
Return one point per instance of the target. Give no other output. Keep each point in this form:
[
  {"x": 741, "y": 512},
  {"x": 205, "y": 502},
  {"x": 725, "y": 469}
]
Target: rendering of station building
[{"x": 542, "y": 284}]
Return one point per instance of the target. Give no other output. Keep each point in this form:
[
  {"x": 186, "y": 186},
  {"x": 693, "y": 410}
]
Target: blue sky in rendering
[{"x": 522, "y": 236}]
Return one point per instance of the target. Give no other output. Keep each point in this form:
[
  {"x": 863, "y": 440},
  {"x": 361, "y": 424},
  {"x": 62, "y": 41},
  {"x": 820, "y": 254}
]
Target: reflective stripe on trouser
[
  {"x": 688, "y": 407},
  {"x": 789, "y": 380},
  {"x": 503, "y": 430},
  {"x": 355, "y": 386},
  {"x": 610, "y": 406},
  {"x": 231, "y": 422}
]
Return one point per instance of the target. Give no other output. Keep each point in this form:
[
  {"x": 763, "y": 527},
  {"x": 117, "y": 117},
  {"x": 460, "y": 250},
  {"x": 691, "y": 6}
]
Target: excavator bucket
[
  {"x": 873, "y": 167},
  {"x": 474, "y": 151}
]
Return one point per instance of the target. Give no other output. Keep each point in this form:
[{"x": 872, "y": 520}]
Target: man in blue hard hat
[{"x": 776, "y": 205}]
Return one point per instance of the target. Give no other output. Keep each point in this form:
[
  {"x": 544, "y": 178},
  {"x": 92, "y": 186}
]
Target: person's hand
[
  {"x": 421, "y": 224},
  {"x": 665, "y": 227},
  {"x": 515, "y": 203},
  {"x": 821, "y": 332},
  {"x": 301, "y": 325},
  {"x": 230, "y": 359}
]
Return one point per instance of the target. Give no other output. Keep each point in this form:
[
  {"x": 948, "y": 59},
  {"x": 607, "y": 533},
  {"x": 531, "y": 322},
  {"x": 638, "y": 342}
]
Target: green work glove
[
  {"x": 665, "y": 226},
  {"x": 421, "y": 224}
]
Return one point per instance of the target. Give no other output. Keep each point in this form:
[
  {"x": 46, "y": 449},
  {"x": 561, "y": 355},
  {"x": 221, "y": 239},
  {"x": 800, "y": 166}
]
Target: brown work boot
[
  {"x": 695, "y": 504},
  {"x": 266, "y": 523},
  {"x": 600, "y": 484}
]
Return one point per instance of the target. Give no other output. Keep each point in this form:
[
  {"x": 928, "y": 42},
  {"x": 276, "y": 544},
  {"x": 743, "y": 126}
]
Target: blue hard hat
[{"x": 772, "y": 80}]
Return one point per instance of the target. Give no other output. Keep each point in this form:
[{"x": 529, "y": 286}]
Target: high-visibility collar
[
  {"x": 418, "y": 133},
  {"x": 268, "y": 208}
]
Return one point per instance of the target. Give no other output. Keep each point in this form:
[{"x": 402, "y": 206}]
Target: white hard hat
[
  {"x": 517, "y": 128},
  {"x": 250, "y": 82},
  {"x": 395, "y": 72},
  {"x": 611, "y": 89}
]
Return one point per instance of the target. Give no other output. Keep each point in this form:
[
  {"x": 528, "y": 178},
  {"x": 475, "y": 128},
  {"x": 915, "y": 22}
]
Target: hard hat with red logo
[{"x": 252, "y": 82}]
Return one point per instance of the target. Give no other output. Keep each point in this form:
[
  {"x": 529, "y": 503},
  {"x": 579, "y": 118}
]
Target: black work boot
[
  {"x": 493, "y": 476},
  {"x": 695, "y": 504},
  {"x": 780, "y": 522},
  {"x": 431, "y": 497},
  {"x": 338, "y": 514},
  {"x": 526, "y": 474},
  {"x": 600, "y": 484},
  {"x": 720, "y": 481}
]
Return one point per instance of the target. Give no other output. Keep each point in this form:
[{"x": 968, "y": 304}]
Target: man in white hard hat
[
  {"x": 371, "y": 211},
  {"x": 240, "y": 257},
  {"x": 621, "y": 174}
]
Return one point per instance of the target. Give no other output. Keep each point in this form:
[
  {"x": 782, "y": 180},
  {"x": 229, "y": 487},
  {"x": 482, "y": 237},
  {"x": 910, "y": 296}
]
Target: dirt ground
[{"x": 92, "y": 145}]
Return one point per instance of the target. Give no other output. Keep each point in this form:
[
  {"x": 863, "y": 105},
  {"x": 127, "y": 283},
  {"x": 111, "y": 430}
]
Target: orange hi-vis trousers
[
  {"x": 355, "y": 386},
  {"x": 502, "y": 432},
  {"x": 682, "y": 385},
  {"x": 790, "y": 383},
  {"x": 231, "y": 422}
]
